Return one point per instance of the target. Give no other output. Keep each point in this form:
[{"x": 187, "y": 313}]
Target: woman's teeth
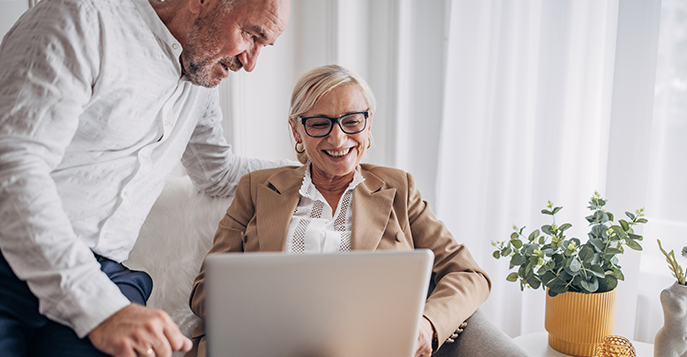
[{"x": 337, "y": 153}]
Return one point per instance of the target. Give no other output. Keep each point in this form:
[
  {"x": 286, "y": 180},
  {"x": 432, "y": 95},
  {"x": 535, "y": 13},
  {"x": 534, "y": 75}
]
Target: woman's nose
[{"x": 337, "y": 136}]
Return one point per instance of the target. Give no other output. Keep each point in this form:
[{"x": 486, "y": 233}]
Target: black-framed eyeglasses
[{"x": 351, "y": 123}]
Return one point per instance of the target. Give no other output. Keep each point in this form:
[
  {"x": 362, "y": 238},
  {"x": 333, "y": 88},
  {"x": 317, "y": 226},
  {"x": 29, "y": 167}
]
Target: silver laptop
[{"x": 353, "y": 304}]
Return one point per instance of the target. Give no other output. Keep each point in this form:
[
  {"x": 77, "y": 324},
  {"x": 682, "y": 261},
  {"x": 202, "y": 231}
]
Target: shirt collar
[
  {"x": 309, "y": 190},
  {"x": 160, "y": 30}
]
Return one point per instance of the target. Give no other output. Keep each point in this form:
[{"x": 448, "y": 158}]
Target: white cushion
[{"x": 172, "y": 244}]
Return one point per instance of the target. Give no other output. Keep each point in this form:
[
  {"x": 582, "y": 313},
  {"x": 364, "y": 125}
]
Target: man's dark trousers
[{"x": 24, "y": 332}]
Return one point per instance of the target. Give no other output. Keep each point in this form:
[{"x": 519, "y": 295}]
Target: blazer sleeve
[{"x": 461, "y": 285}]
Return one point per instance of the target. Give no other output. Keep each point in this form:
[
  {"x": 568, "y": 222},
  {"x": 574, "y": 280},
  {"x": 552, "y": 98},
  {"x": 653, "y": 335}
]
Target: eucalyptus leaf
[
  {"x": 635, "y": 236},
  {"x": 598, "y": 244},
  {"x": 619, "y": 231},
  {"x": 624, "y": 224},
  {"x": 575, "y": 265},
  {"x": 518, "y": 259},
  {"x": 590, "y": 286},
  {"x": 633, "y": 244},
  {"x": 516, "y": 243},
  {"x": 597, "y": 271},
  {"x": 533, "y": 235},
  {"x": 586, "y": 254},
  {"x": 546, "y": 258}
]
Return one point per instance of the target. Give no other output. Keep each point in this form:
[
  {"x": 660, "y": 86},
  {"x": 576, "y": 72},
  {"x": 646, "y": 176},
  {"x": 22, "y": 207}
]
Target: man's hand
[
  {"x": 136, "y": 331},
  {"x": 424, "y": 341}
]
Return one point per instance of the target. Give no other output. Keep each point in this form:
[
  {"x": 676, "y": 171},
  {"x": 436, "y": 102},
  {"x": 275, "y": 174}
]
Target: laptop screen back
[{"x": 316, "y": 305}]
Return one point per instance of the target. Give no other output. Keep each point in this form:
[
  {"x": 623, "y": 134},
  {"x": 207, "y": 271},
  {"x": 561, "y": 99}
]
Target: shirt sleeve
[
  {"x": 209, "y": 160},
  {"x": 50, "y": 61}
]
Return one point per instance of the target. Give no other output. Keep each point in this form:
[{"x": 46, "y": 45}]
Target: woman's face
[{"x": 338, "y": 153}]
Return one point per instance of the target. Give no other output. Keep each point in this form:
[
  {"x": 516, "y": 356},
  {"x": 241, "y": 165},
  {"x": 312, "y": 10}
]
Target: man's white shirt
[{"x": 94, "y": 116}]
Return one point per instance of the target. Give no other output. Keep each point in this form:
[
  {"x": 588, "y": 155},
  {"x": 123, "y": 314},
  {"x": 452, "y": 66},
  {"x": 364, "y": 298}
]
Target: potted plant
[
  {"x": 671, "y": 339},
  {"x": 574, "y": 273}
]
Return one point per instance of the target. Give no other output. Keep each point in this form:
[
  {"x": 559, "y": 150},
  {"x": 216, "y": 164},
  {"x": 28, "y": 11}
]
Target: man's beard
[{"x": 200, "y": 66}]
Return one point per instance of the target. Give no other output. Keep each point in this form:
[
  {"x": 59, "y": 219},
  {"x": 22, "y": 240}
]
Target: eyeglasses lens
[{"x": 350, "y": 124}]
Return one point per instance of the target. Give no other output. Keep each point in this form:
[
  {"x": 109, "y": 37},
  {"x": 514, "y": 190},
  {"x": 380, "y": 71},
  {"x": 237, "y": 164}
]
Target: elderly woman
[{"x": 335, "y": 204}]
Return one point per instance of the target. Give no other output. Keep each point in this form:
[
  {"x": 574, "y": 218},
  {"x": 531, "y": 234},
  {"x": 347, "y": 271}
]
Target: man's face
[{"x": 220, "y": 41}]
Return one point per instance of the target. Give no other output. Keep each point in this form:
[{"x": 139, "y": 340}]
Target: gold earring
[
  {"x": 369, "y": 142},
  {"x": 302, "y": 150}
]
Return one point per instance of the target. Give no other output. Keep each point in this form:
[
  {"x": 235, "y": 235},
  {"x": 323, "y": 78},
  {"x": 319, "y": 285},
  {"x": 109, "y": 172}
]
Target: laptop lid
[{"x": 362, "y": 303}]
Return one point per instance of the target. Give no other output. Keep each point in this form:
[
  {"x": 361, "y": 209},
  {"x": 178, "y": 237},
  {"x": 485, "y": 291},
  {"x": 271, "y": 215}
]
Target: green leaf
[
  {"x": 533, "y": 235},
  {"x": 516, "y": 243},
  {"x": 575, "y": 265},
  {"x": 635, "y": 236},
  {"x": 517, "y": 259},
  {"x": 597, "y": 271},
  {"x": 610, "y": 216},
  {"x": 630, "y": 215},
  {"x": 496, "y": 254},
  {"x": 632, "y": 244},
  {"x": 611, "y": 282},
  {"x": 564, "y": 227},
  {"x": 590, "y": 286},
  {"x": 534, "y": 283},
  {"x": 619, "y": 231},
  {"x": 547, "y": 229},
  {"x": 642, "y": 220},
  {"x": 512, "y": 277},
  {"x": 624, "y": 224},
  {"x": 556, "y": 209},
  {"x": 514, "y": 236},
  {"x": 586, "y": 254},
  {"x": 545, "y": 211},
  {"x": 618, "y": 274},
  {"x": 598, "y": 244},
  {"x": 506, "y": 252}
]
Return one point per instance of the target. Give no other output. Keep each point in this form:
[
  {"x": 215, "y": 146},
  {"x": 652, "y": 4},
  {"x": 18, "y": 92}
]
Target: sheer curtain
[{"x": 544, "y": 101}]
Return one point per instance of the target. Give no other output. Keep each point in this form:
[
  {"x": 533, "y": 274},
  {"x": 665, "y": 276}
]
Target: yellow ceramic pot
[{"x": 578, "y": 322}]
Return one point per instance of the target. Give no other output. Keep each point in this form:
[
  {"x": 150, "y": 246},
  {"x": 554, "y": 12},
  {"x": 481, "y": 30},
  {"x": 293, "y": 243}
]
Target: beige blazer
[{"x": 388, "y": 213}]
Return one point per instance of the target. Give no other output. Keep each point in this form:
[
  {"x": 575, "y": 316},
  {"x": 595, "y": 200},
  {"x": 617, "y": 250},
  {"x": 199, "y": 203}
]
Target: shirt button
[{"x": 175, "y": 46}]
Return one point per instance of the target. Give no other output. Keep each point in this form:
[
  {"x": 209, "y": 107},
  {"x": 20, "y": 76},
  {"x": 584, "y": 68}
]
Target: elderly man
[{"x": 99, "y": 100}]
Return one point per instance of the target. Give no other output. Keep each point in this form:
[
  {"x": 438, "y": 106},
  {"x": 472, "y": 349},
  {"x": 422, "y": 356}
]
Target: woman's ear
[{"x": 294, "y": 131}]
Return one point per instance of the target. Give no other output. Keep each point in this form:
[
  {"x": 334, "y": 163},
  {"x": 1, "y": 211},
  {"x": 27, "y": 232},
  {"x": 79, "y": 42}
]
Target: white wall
[{"x": 10, "y": 10}]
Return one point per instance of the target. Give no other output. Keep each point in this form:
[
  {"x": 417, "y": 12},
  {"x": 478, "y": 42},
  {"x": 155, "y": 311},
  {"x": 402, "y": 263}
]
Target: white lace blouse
[{"x": 314, "y": 228}]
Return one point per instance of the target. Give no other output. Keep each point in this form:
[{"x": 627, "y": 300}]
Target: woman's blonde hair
[{"x": 318, "y": 82}]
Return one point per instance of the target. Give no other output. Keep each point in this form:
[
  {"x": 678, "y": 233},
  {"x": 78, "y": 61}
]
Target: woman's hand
[{"x": 424, "y": 341}]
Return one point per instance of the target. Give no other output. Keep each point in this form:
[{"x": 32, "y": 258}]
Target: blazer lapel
[
  {"x": 372, "y": 205},
  {"x": 276, "y": 202}
]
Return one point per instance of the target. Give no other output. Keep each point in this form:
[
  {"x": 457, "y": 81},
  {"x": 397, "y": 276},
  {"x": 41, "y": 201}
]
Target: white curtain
[{"x": 547, "y": 100}]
